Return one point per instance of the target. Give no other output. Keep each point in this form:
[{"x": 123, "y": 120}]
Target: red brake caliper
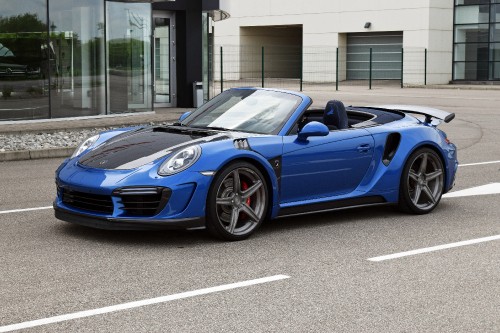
[{"x": 244, "y": 187}]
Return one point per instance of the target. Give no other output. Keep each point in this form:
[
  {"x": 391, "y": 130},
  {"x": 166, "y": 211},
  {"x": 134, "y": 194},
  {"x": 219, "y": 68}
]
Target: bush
[{"x": 7, "y": 91}]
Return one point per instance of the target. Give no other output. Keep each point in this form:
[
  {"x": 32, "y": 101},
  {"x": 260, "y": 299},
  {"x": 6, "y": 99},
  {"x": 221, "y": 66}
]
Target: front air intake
[
  {"x": 87, "y": 201},
  {"x": 142, "y": 201}
]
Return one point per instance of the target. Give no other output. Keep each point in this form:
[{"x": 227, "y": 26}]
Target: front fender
[{"x": 260, "y": 152}]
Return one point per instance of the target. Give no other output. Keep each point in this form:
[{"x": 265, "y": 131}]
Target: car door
[{"x": 325, "y": 166}]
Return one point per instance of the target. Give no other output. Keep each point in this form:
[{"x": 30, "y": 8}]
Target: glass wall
[
  {"x": 77, "y": 75},
  {"x": 66, "y": 58},
  {"x": 206, "y": 55},
  {"x": 61, "y": 58},
  {"x": 477, "y": 40},
  {"x": 164, "y": 50},
  {"x": 128, "y": 46},
  {"x": 25, "y": 59}
]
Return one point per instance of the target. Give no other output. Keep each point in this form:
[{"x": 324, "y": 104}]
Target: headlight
[
  {"x": 85, "y": 145},
  {"x": 180, "y": 161}
]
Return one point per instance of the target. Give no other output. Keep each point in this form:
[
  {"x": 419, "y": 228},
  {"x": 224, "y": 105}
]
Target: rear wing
[{"x": 429, "y": 113}]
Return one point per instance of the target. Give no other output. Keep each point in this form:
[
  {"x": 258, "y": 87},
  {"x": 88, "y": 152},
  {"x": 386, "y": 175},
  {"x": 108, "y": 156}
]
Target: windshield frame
[{"x": 200, "y": 118}]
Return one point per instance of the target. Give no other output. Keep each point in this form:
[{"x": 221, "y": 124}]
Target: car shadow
[
  {"x": 194, "y": 238},
  {"x": 175, "y": 238},
  {"x": 331, "y": 218}
]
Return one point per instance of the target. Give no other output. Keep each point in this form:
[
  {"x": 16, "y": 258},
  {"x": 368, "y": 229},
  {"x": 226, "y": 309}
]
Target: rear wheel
[
  {"x": 422, "y": 182},
  {"x": 237, "y": 202}
]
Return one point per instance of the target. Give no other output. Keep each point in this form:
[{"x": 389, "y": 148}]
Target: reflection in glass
[
  {"x": 459, "y": 70},
  {"x": 476, "y": 40},
  {"x": 495, "y": 70},
  {"x": 471, "y": 52},
  {"x": 471, "y": 2},
  {"x": 471, "y": 71},
  {"x": 495, "y": 33},
  {"x": 77, "y": 37},
  {"x": 471, "y": 33},
  {"x": 495, "y": 13},
  {"x": 495, "y": 52},
  {"x": 25, "y": 57},
  {"x": 205, "y": 54},
  {"x": 472, "y": 14},
  {"x": 162, "y": 59},
  {"x": 129, "y": 56}
]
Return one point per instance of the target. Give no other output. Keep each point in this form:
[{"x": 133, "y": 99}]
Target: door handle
[{"x": 364, "y": 148}]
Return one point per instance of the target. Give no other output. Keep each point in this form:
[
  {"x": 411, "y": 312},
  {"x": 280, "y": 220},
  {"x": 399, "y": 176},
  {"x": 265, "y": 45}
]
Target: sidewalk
[
  {"x": 95, "y": 122},
  {"x": 116, "y": 120}
]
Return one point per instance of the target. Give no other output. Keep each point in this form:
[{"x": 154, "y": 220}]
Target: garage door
[{"x": 386, "y": 61}]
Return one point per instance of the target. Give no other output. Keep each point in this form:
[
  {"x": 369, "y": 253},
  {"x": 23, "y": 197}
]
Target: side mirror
[
  {"x": 184, "y": 116},
  {"x": 314, "y": 128}
]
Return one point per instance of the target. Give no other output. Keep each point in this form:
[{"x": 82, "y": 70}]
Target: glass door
[
  {"x": 128, "y": 47},
  {"x": 164, "y": 59}
]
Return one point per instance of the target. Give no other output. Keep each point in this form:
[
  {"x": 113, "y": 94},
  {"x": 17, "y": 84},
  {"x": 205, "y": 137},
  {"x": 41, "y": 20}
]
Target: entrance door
[
  {"x": 164, "y": 59},
  {"x": 128, "y": 32}
]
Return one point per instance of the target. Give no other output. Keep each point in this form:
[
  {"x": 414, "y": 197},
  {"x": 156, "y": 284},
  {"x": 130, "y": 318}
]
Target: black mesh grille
[
  {"x": 87, "y": 201},
  {"x": 142, "y": 201},
  {"x": 134, "y": 201}
]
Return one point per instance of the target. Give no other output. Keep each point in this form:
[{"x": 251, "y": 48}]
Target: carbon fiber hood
[{"x": 131, "y": 150}]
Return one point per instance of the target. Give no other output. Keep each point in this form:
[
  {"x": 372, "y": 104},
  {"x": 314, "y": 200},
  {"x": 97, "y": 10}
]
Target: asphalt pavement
[{"x": 316, "y": 268}]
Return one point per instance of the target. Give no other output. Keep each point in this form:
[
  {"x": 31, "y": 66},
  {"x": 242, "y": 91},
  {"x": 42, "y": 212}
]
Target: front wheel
[
  {"x": 422, "y": 182},
  {"x": 237, "y": 202}
]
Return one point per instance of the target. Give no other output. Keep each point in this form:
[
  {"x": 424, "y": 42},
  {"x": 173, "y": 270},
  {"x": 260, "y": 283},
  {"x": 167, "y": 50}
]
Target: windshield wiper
[
  {"x": 219, "y": 128},
  {"x": 215, "y": 128}
]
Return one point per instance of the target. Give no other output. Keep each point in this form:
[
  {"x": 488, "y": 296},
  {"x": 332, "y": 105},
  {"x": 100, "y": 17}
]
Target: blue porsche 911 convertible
[{"x": 253, "y": 154}]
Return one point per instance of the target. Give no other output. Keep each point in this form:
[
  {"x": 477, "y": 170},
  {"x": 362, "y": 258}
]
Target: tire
[
  {"x": 422, "y": 182},
  {"x": 235, "y": 214}
]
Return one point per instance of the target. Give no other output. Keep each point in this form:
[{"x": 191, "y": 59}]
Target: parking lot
[{"x": 344, "y": 271}]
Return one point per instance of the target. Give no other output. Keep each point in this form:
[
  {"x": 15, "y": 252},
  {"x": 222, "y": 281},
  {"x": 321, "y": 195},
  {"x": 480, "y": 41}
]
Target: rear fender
[{"x": 386, "y": 179}]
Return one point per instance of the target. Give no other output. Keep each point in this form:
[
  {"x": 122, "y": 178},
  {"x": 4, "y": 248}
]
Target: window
[
  {"x": 25, "y": 59},
  {"x": 77, "y": 40},
  {"x": 476, "y": 54}
]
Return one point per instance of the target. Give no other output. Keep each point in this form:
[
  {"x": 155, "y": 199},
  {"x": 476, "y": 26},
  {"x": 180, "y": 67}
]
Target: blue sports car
[{"x": 252, "y": 154}]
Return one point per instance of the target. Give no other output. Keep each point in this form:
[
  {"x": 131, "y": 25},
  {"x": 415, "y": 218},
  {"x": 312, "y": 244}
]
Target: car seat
[{"x": 335, "y": 116}]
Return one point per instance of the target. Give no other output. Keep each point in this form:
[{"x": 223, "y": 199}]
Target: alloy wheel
[
  {"x": 425, "y": 181},
  {"x": 241, "y": 201}
]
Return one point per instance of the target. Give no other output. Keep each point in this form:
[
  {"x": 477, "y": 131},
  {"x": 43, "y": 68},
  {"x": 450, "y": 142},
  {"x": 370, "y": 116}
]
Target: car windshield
[{"x": 246, "y": 110}]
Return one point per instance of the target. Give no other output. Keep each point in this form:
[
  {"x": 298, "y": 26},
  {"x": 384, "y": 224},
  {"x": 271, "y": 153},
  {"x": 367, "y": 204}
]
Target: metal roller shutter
[{"x": 386, "y": 55}]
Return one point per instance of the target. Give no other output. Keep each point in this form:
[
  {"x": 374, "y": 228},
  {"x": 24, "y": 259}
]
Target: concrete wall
[
  {"x": 425, "y": 24},
  {"x": 282, "y": 51}
]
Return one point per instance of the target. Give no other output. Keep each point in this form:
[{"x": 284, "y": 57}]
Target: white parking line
[
  {"x": 435, "y": 248},
  {"x": 24, "y": 210},
  {"x": 131, "y": 305},
  {"x": 493, "y": 188},
  {"x": 480, "y": 163}
]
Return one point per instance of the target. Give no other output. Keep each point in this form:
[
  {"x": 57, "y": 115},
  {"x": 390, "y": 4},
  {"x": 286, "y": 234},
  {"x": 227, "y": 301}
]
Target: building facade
[
  {"x": 61, "y": 58},
  {"x": 477, "y": 40},
  {"x": 424, "y": 41}
]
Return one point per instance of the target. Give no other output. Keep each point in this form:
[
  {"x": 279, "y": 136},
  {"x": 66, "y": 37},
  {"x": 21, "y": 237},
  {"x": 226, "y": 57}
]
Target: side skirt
[{"x": 332, "y": 205}]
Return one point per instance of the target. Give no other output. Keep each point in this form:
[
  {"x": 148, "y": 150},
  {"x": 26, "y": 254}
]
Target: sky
[{"x": 13, "y": 7}]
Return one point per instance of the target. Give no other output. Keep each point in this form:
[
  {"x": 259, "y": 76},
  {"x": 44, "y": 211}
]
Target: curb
[
  {"x": 454, "y": 87},
  {"x": 22, "y": 155}
]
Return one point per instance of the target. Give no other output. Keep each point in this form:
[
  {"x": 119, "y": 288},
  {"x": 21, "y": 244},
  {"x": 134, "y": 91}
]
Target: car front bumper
[{"x": 114, "y": 223}]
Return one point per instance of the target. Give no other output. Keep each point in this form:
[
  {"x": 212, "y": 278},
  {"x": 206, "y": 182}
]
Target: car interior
[{"x": 336, "y": 117}]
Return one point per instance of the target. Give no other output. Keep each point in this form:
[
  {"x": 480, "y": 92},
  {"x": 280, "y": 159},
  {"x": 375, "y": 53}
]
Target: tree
[{"x": 22, "y": 23}]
